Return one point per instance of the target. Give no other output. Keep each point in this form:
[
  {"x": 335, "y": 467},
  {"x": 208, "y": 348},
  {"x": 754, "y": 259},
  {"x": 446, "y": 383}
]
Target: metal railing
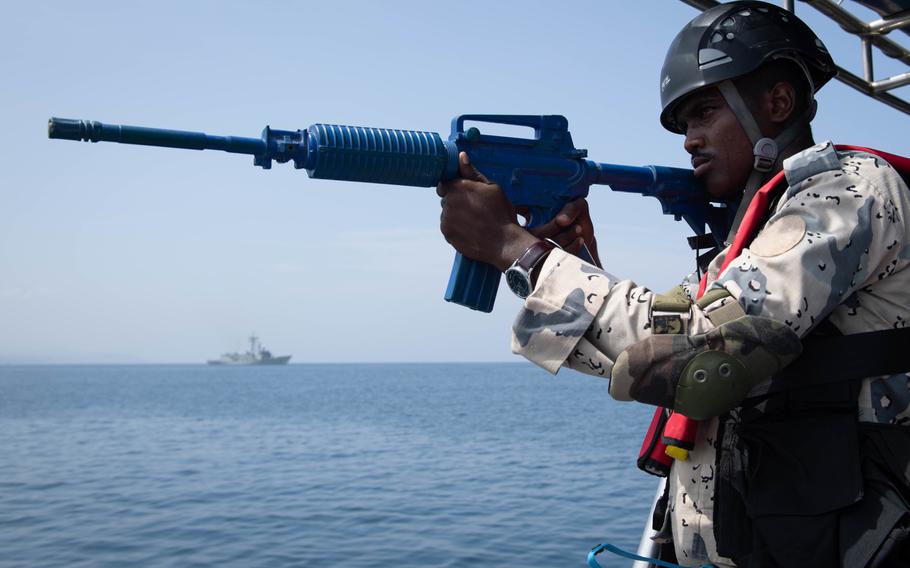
[{"x": 871, "y": 34}]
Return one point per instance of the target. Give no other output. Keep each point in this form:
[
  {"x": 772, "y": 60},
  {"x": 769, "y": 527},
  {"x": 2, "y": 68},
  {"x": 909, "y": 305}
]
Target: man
[{"x": 793, "y": 463}]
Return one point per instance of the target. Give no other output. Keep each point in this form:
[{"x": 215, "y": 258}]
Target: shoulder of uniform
[
  {"x": 824, "y": 157},
  {"x": 810, "y": 162},
  {"x": 855, "y": 171}
]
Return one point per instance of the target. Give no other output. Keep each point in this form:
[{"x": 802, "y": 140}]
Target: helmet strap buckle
[{"x": 765, "y": 153}]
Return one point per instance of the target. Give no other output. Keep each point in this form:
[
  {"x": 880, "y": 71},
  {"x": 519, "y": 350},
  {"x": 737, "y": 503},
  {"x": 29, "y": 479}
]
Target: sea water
[{"x": 393, "y": 465}]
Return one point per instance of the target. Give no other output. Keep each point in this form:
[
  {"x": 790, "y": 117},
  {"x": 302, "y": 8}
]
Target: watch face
[{"x": 518, "y": 282}]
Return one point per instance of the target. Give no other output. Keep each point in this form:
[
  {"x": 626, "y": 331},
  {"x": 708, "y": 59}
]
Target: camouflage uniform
[{"x": 835, "y": 246}]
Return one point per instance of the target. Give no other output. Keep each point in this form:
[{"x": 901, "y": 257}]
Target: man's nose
[{"x": 694, "y": 141}]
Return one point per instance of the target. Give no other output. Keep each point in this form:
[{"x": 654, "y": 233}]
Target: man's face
[{"x": 721, "y": 151}]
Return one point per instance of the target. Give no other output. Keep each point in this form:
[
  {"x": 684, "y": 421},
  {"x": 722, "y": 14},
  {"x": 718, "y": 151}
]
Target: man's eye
[{"x": 705, "y": 111}]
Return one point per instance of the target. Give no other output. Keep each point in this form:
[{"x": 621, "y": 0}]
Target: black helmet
[{"x": 731, "y": 40}]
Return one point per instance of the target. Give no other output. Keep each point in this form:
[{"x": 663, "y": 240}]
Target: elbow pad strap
[{"x": 705, "y": 375}]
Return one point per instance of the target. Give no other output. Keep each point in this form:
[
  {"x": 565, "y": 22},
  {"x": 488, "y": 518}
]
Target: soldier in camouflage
[{"x": 814, "y": 477}]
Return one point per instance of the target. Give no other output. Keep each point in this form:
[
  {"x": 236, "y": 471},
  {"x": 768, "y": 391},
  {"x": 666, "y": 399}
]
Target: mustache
[{"x": 700, "y": 157}]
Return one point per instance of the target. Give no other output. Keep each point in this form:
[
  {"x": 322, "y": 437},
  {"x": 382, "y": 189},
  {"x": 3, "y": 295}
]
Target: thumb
[
  {"x": 570, "y": 212},
  {"x": 467, "y": 170}
]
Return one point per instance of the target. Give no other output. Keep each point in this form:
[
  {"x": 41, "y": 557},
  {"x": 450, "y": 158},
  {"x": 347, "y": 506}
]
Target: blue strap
[{"x": 615, "y": 550}]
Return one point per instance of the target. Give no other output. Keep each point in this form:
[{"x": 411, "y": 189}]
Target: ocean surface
[{"x": 397, "y": 465}]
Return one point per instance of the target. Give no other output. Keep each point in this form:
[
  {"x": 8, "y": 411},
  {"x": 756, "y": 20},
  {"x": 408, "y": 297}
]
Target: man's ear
[{"x": 781, "y": 102}]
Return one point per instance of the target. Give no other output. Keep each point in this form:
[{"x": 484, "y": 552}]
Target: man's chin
[
  {"x": 713, "y": 191},
  {"x": 709, "y": 179},
  {"x": 719, "y": 187}
]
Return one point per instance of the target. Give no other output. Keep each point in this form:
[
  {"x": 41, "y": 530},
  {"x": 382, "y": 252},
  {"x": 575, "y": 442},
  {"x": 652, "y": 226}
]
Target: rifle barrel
[{"x": 92, "y": 131}]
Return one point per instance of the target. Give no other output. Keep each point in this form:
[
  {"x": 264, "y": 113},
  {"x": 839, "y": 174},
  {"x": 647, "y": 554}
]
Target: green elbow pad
[
  {"x": 712, "y": 383},
  {"x": 701, "y": 376}
]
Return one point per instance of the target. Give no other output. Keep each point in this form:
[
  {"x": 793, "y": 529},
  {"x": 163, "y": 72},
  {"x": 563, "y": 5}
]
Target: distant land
[{"x": 99, "y": 358}]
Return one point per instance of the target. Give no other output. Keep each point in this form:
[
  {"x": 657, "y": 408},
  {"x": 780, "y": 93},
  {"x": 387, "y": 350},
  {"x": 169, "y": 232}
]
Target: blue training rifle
[{"x": 539, "y": 174}]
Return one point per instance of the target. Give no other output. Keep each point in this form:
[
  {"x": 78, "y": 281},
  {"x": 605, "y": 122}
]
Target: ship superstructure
[{"x": 257, "y": 355}]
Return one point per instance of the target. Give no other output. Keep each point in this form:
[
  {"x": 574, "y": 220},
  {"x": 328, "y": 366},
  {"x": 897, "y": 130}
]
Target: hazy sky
[{"x": 114, "y": 253}]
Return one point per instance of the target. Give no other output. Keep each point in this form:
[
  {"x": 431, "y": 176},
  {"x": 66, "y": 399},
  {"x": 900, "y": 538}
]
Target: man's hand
[
  {"x": 572, "y": 229},
  {"x": 478, "y": 220}
]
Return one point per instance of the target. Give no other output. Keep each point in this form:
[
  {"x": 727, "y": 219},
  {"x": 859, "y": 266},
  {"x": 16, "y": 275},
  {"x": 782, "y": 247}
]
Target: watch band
[
  {"x": 520, "y": 276},
  {"x": 535, "y": 253}
]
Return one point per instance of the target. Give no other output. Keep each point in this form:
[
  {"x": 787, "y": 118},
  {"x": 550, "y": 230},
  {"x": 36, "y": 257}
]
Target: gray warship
[{"x": 257, "y": 355}]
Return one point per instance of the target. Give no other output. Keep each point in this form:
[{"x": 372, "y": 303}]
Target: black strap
[
  {"x": 703, "y": 261},
  {"x": 701, "y": 242},
  {"x": 846, "y": 357}
]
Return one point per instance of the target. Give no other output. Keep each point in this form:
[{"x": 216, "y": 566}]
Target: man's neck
[{"x": 802, "y": 141}]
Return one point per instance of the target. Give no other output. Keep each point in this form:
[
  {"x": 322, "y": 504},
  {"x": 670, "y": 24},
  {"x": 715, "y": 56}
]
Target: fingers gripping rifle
[{"x": 539, "y": 174}]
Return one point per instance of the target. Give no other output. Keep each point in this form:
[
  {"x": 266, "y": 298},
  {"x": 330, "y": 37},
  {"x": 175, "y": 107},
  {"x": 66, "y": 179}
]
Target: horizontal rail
[
  {"x": 853, "y": 25},
  {"x": 895, "y": 22},
  {"x": 865, "y": 88}
]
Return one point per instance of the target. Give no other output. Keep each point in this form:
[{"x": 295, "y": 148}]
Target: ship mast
[{"x": 253, "y": 340}]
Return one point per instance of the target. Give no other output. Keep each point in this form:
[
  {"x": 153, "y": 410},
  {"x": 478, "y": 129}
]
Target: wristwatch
[{"x": 518, "y": 276}]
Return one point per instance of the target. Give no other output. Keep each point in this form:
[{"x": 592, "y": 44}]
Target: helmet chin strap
[{"x": 765, "y": 151}]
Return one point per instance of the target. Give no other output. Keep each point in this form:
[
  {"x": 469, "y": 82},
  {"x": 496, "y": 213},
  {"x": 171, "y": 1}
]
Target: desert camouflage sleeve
[
  {"x": 831, "y": 236},
  {"x": 582, "y": 317}
]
